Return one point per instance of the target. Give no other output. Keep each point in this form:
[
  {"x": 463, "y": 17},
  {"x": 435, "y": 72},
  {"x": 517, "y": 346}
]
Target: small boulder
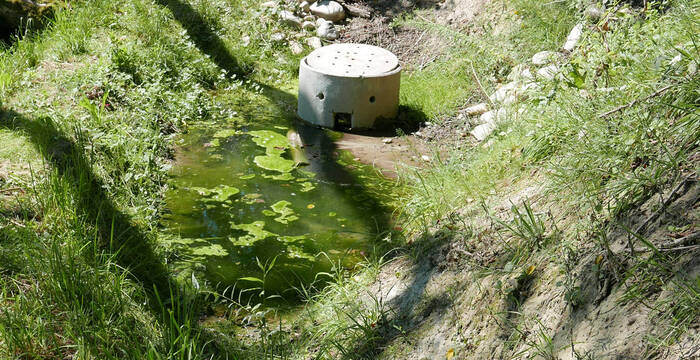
[
  {"x": 548, "y": 72},
  {"x": 477, "y": 109},
  {"x": 328, "y": 9},
  {"x": 314, "y": 42},
  {"x": 594, "y": 13},
  {"x": 327, "y": 31},
  {"x": 544, "y": 57},
  {"x": 296, "y": 48},
  {"x": 289, "y": 19},
  {"x": 277, "y": 37},
  {"x": 482, "y": 131},
  {"x": 308, "y": 25},
  {"x": 573, "y": 38}
]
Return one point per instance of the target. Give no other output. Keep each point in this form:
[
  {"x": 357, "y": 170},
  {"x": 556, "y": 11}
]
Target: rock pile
[
  {"x": 316, "y": 20},
  {"x": 521, "y": 80}
]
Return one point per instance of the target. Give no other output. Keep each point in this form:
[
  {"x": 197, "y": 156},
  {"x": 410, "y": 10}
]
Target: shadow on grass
[
  {"x": 410, "y": 308},
  {"x": 115, "y": 230}
]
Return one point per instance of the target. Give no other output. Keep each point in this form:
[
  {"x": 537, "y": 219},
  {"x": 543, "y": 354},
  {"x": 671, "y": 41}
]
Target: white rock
[
  {"x": 548, "y": 72},
  {"x": 304, "y": 6},
  {"x": 573, "y": 38},
  {"x": 245, "y": 40},
  {"x": 321, "y": 21},
  {"x": 269, "y": 4},
  {"x": 544, "y": 57},
  {"x": 493, "y": 116},
  {"x": 287, "y": 18},
  {"x": 425, "y": 158},
  {"x": 309, "y": 18},
  {"x": 308, "y": 25},
  {"x": 387, "y": 140},
  {"x": 477, "y": 109},
  {"x": 277, "y": 37},
  {"x": 594, "y": 13},
  {"x": 296, "y": 48},
  {"x": 327, "y": 31},
  {"x": 329, "y": 10},
  {"x": 314, "y": 42},
  {"x": 504, "y": 92},
  {"x": 675, "y": 60},
  {"x": 482, "y": 131}
]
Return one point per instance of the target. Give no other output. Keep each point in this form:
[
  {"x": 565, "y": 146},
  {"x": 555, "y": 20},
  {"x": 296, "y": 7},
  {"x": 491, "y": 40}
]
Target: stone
[
  {"x": 425, "y": 158},
  {"x": 287, "y": 18},
  {"x": 308, "y": 25},
  {"x": 357, "y": 11},
  {"x": 387, "y": 140},
  {"x": 519, "y": 72},
  {"x": 594, "y": 13},
  {"x": 493, "y": 116},
  {"x": 269, "y": 4},
  {"x": 477, "y": 109},
  {"x": 482, "y": 131},
  {"x": 314, "y": 42},
  {"x": 329, "y": 10},
  {"x": 277, "y": 37},
  {"x": 548, "y": 72},
  {"x": 544, "y": 57},
  {"x": 327, "y": 31},
  {"x": 573, "y": 38},
  {"x": 304, "y": 6},
  {"x": 296, "y": 48},
  {"x": 504, "y": 91},
  {"x": 309, "y": 18}
]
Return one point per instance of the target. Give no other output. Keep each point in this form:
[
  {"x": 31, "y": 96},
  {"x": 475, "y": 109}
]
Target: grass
[{"x": 95, "y": 99}]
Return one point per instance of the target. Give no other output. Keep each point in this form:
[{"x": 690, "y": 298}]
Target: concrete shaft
[{"x": 348, "y": 85}]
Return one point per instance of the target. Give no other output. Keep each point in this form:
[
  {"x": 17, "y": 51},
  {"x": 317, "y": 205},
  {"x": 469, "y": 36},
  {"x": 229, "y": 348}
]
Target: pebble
[
  {"x": 308, "y": 25},
  {"x": 387, "y": 140},
  {"x": 329, "y": 10},
  {"x": 548, "y": 72},
  {"x": 277, "y": 37},
  {"x": 269, "y": 4},
  {"x": 327, "y": 31},
  {"x": 287, "y": 18},
  {"x": 309, "y": 18},
  {"x": 314, "y": 42},
  {"x": 425, "y": 158},
  {"x": 304, "y": 6},
  {"x": 245, "y": 40},
  {"x": 477, "y": 109},
  {"x": 296, "y": 47},
  {"x": 482, "y": 131},
  {"x": 544, "y": 57},
  {"x": 594, "y": 13},
  {"x": 573, "y": 38}
]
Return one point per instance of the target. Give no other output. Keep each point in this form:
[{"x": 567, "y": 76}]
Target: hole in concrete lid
[
  {"x": 320, "y": 96},
  {"x": 372, "y": 99}
]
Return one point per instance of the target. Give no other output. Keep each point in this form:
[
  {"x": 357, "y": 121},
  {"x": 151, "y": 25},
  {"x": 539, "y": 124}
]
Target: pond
[{"x": 261, "y": 200}]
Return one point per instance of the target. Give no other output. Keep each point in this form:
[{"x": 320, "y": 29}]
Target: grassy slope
[{"x": 64, "y": 282}]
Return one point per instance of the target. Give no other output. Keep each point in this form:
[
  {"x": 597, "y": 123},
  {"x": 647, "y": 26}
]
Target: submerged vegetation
[{"x": 152, "y": 205}]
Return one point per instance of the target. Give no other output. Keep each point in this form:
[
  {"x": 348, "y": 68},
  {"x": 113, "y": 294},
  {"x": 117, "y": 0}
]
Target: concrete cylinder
[{"x": 348, "y": 86}]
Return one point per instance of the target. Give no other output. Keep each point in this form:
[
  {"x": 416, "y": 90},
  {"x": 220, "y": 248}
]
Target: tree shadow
[
  {"x": 131, "y": 247},
  {"x": 409, "y": 309}
]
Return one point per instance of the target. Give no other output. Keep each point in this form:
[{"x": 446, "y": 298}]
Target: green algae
[
  {"x": 209, "y": 250},
  {"x": 255, "y": 233},
  {"x": 274, "y": 162},
  {"x": 286, "y": 213},
  {"x": 274, "y": 143}
]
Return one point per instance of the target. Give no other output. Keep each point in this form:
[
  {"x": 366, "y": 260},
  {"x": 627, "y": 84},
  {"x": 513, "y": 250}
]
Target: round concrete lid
[{"x": 352, "y": 60}]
